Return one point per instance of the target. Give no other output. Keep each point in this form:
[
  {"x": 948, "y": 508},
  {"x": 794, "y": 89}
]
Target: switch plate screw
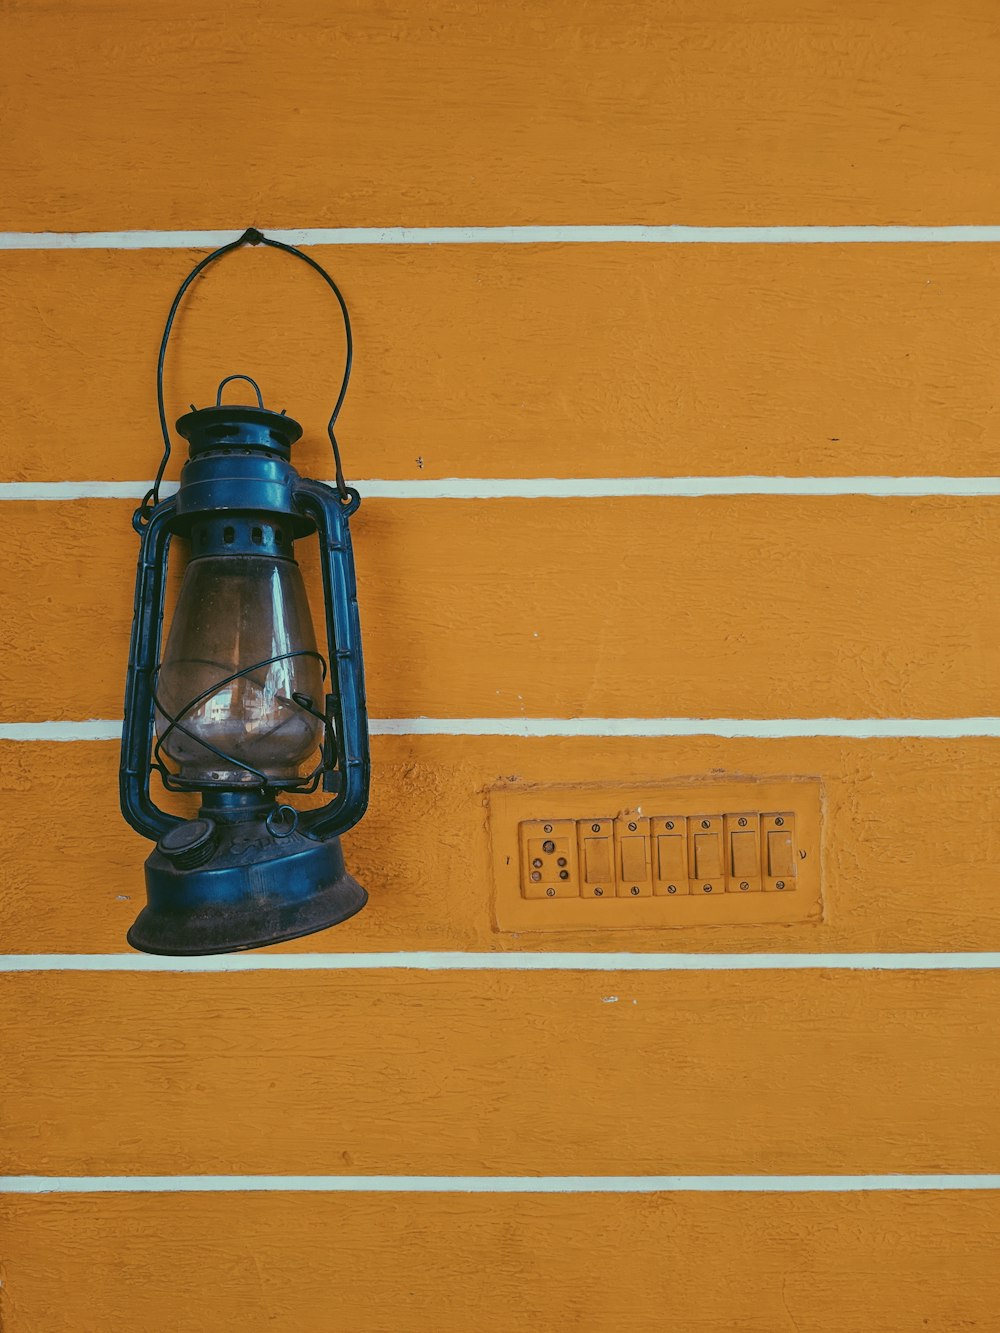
[
  {"x": 634, "y": 890},
  {"x": 780, "y": 884},
  {"x": 671, "y": 888},
  {"x": 547, "y": 828},
  {"x": 707, "y": 888},
  {"x": 744, "y": 885},
  {"x": 742, "y": 822},
  {"x": 779, "y": 821},
  {"x": 598, "y": 893},
  {"x": 550, "y": 893},
  {"x": 595, "y": 828},
  {"x": 632, "y": 827},
  {"x": 670, "y": 823},
  {"x": 705, "y": 823}
]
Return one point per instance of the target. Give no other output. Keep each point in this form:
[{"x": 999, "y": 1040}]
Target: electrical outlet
[{"x": 548, "y": 859}]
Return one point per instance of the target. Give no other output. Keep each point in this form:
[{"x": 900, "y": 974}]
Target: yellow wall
[{"x": 511, "y": 361}]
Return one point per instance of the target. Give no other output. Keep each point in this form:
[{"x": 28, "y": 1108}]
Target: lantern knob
[{"x": 190, "y": 844}]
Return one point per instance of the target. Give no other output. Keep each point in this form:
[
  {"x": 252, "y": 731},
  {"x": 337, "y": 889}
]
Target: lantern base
[{"x": 253, "y": 891}]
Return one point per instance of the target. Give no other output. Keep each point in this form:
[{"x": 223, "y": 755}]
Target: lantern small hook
[
  {"x": 282, "y": 821},
  {"x": 229, "y": 379}
]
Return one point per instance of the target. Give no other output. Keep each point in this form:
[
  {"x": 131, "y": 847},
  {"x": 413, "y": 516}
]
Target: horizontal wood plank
[
  {"x": 912, "y": 843},
  {"x": 395, "y": 1073},
  {"x": 173, "y": 116},
  {"x": 919, "y": 1263},
  {"x": 574, "y": 361},
  {"x": 732, "y": 607}
]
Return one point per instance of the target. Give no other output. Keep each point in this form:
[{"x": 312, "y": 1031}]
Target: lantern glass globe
[{"x": 235, "y": 611}]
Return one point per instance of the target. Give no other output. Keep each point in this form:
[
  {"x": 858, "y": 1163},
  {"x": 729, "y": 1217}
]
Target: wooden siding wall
[{"x": 729, "y": 356}]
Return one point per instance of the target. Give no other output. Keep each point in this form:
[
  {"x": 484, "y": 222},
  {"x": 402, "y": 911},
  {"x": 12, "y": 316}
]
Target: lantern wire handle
[{"x": 250, "y": 237}]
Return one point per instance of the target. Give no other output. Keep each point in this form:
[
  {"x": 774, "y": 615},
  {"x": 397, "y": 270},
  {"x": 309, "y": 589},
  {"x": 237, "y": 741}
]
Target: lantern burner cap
[{"x": 238, "y": 426}]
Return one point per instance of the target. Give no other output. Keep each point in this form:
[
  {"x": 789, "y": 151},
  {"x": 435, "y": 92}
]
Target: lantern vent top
[{"x": 238, "y": 425}]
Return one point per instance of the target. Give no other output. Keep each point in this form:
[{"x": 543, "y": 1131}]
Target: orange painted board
[
  {"x": 485, "y": 1073},
  {"x": 910, "y": 863},
  {"x": 520, "y": 361},
  {"x": 165, "y": 116},
  {"x": 287, "y": 1263},
  {"x": 791, "y": 607}
]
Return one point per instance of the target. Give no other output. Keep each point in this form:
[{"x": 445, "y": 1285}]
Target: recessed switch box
[{"x": 727, "y": 853}]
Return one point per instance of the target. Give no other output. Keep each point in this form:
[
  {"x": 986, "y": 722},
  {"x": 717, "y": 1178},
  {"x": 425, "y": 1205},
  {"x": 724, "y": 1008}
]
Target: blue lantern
[{"x": 242, "y": 705}]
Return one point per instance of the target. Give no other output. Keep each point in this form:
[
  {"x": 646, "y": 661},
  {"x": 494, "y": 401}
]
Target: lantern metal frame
[{"x": 249, "y": 870}]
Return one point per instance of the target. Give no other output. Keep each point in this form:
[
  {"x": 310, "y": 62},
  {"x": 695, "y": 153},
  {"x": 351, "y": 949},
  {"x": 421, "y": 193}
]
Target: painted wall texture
[{"x": 598, "y": 363}]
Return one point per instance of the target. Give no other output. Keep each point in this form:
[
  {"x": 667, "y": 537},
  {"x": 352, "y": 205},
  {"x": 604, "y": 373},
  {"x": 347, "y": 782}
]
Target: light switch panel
[{"x": 588, "y": 857}]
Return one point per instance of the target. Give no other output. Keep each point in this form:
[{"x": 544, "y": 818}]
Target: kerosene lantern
[{"x": 240, "y": 705}]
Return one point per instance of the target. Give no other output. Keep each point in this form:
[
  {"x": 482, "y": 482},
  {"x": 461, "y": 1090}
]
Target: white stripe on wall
[
  {"x": 867, "y": 728},
  {"x": 730, "y": 728},
  {"x": 95, "y": 729},
  {"x": 445, "y": 961},
  {"x": 556, "y": 488},
  {"x": 843, "y": 1184},
  {"x": 569, "y": 235}
]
